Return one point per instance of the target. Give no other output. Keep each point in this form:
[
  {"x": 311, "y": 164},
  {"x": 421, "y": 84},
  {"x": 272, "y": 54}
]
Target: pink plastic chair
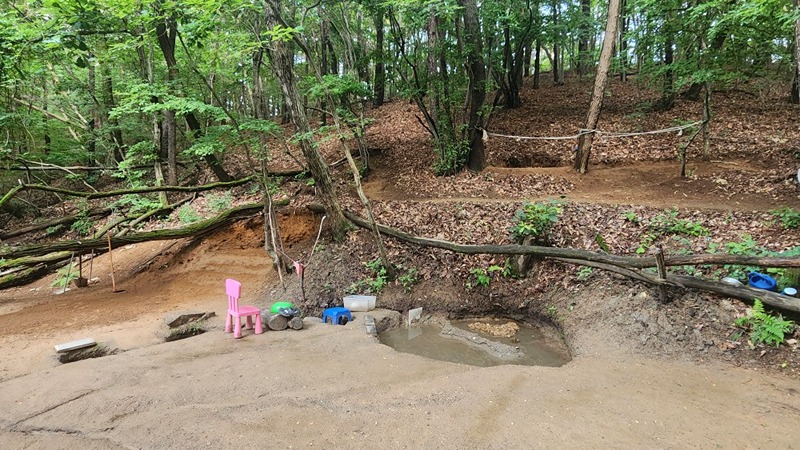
[{"x": 236, "y": 311}]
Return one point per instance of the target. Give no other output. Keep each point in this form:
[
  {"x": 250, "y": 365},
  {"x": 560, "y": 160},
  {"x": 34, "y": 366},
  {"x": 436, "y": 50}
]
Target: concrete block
[{"x": 74, "y": 345}]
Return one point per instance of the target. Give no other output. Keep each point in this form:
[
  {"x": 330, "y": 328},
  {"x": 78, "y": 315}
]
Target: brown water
[{"x": 424, "y": 340}]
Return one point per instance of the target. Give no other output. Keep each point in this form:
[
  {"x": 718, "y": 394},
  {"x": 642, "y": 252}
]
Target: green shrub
[
  {"x": 65, "y": 275},
  {"x": 535, "y": 220},
  {"x": 187, "y": 214},
  {"x": 373, "y": 284},
  {"x": 219, "y": 202},
  {"x": 668, "y": 223},
  {"x": 788, "y": 217},
  {"x": 408, "y": 279},
  {"x": 82, "y": 225},
  {"x": 765, "y": 328},
  {"x": 483, "y": 277}
]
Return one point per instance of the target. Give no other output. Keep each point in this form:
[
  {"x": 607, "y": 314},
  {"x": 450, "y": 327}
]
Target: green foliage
[
  {"x": 668, "y": 224},
  {"x": 584, "y": 273},
  {"x": 187, "y": 214},
  {"x": 136, "y": 204},
  {"x": 342, "y": 87},
  {"x": 788, "y": 217},
  {"x": 65, "y": 275},
  {"x": 82, "y": 225},
  {"x": 535, "y": 220},
  {"x": 483, "y": 277},
  {"x": 282, "y": 33},
  {"x": 408, "y": 279},
  {"x": 54, "y": 229},
  {"x": 219, "y": 202},
  {"x": 765, "y": 328},
  {"x": 451, "y": 156},
  {"x": 631, "y": 217},
  {"x": 373, "y": 284}
]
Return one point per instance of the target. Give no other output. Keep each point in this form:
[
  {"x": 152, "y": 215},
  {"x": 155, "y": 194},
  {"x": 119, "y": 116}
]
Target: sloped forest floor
[{"x": 643, "y": 372}]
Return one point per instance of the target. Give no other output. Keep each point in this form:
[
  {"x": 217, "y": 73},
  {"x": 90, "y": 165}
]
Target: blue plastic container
[{"x": 761, "y": 281}]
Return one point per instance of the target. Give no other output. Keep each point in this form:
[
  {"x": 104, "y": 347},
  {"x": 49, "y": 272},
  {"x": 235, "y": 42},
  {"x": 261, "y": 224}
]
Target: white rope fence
[{"x": 599, "y": 133}]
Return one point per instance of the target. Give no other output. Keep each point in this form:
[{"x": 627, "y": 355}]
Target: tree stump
[
  {"x": 277, "y": 322},
  {"x": 296, "y": 323}
]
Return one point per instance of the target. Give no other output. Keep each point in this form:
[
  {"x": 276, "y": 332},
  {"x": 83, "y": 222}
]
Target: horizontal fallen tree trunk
[
  {"x": 194, "y": 230},
  {"x": 618, "y": 264},
  {"x": 630, "y": 262},
  {"x": 29, "y": 274},
  {"x": 144, "y": 190},
  {"x": 52, "y": 223}
]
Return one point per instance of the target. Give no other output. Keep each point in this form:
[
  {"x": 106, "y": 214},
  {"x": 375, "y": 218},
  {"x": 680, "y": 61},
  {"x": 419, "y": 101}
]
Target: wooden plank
[{"x": 74, "y": 345}]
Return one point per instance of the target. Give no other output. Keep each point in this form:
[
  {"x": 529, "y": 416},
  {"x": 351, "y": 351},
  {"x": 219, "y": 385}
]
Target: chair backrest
[{"x": 234, "y": 290}]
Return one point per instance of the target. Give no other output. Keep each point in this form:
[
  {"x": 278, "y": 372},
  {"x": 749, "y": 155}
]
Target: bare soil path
[{"x": 336, "y": 387}]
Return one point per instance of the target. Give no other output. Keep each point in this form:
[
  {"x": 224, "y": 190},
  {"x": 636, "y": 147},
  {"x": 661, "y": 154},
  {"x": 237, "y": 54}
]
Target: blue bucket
[{"x": 761, "y": 281}]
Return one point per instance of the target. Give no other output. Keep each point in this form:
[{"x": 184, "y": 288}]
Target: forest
[{"x": 147, "y": 101}]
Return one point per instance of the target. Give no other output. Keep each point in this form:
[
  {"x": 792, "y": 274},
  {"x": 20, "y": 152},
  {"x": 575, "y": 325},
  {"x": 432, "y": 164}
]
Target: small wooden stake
[
  {"x": 662, "y": 275},
  {"x": 111, "y": 258}
]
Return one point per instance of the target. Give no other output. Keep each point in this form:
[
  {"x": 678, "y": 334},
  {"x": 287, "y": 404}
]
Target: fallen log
[
  {"x": 629, "y": 262},
  {"x": 52, "y": 223},
  {"x": 29, "y": 274},
  {"x": 144, "y": 190},
  {"x": 196, "y": 229},
  {"x": 619, "y": 264}
]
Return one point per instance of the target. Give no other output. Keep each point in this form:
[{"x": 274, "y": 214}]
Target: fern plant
[{"x": 764, "y": 327}]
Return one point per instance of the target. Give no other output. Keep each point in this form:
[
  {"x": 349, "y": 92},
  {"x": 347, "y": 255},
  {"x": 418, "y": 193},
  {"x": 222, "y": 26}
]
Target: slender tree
[{"x": 585, "y": 140}]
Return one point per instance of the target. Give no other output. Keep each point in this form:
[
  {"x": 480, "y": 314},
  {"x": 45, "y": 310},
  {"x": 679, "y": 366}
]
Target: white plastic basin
[{"x": 359, "y": 303}]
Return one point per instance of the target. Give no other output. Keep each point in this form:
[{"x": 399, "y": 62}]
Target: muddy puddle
[{"x": 480, "y": 342}]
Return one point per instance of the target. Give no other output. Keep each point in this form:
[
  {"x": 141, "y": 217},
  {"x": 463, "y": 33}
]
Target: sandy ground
[{"x": 334, "y": 387}]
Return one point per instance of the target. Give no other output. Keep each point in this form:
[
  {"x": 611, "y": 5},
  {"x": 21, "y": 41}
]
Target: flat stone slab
[
  {"x": 494, "y": 348},
  {"x": 74, "y": 345}
]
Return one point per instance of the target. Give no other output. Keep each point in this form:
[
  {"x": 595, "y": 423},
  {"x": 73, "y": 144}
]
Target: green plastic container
[{"x": 278, "y": 305}]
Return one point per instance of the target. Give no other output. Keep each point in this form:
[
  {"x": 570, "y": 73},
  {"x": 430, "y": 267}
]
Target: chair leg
[
  {"x": 249, "y": 323},
  {"x": 228, "y": 323},
  {"x": 259, "y": 329},
  {"x": 237, "y": 330}
]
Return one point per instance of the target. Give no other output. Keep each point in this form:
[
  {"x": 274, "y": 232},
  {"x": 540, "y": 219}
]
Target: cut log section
[
  {"x": 296, "y": 323},
  {"x": 277, "y": 322}
]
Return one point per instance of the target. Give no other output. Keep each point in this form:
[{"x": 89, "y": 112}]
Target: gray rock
[{"x": 174, "y": 320}]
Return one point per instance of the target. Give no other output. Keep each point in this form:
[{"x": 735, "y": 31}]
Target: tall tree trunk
[
  {"x": 476, "y": 96},
  {"x": 93, "y": 123},
  {"x": 796, "y": 91},
  {"x": 585, "y": 141},
  {"x": 668, "y": 92},
  {"x": 380, "y": 71},
  {"x": 623, "y": 42},
  {"x": 45, "y": 119},
  {"x": 282, "y": 61},
  {"x": 323, "y": 62},
  {"x": 108, "y": 104},
  {"x": 585, "y": 29},
  {"x": 166, "y": 34},
  {"x": 526, "y": 58},
  {"x": 558, "y": 69},
  {"x": 537, "y": 64}
]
